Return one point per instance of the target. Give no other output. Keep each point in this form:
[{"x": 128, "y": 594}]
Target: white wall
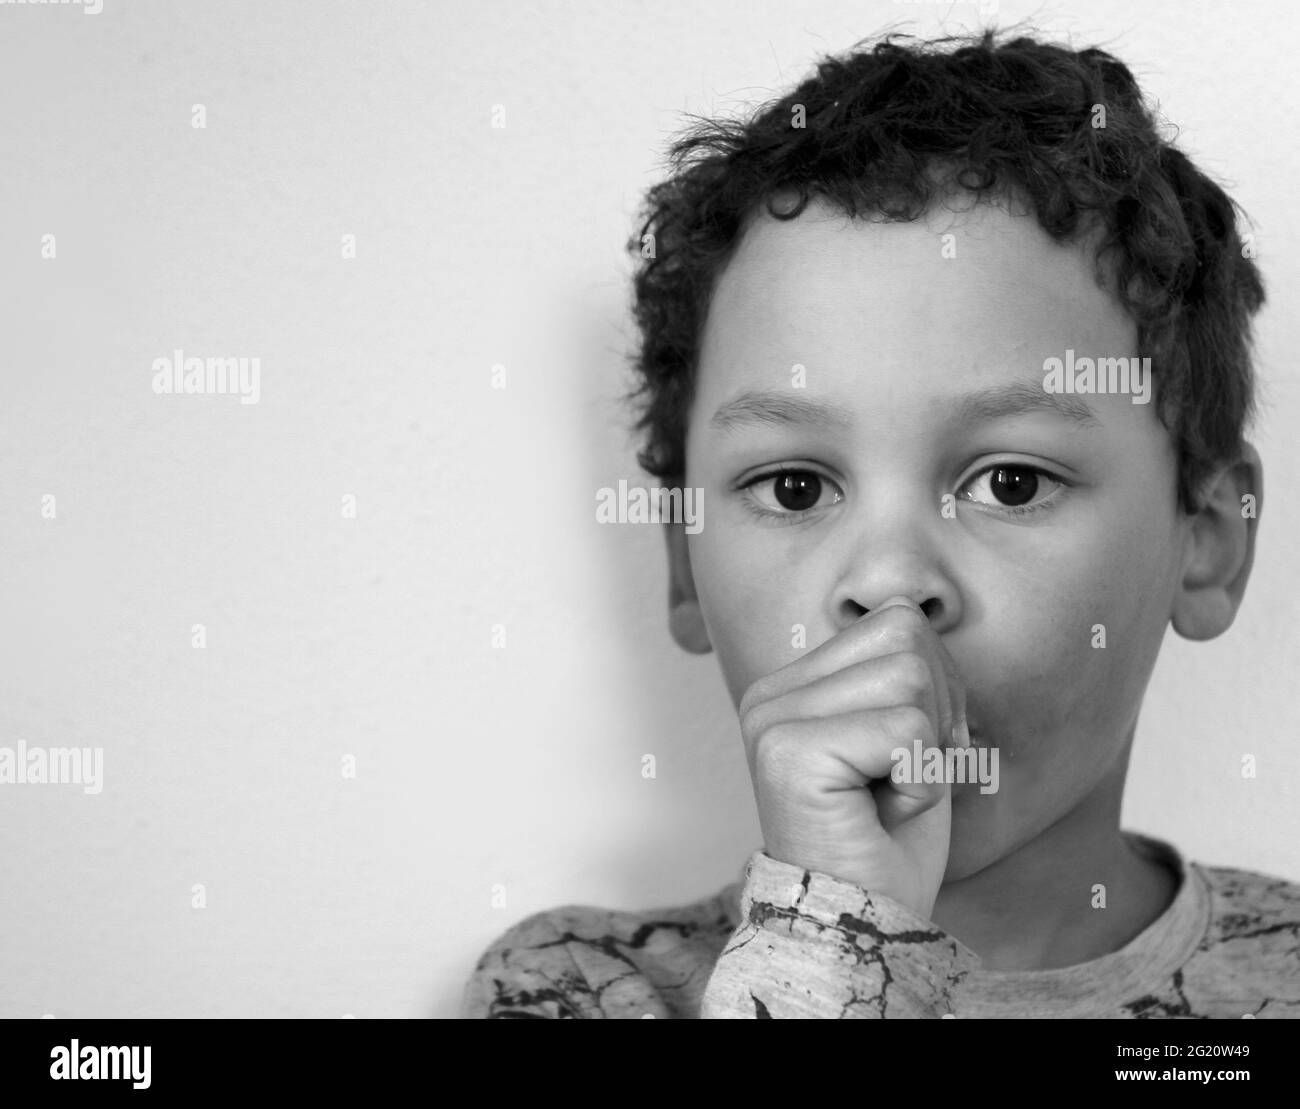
[{"x": 372, "y": 637}]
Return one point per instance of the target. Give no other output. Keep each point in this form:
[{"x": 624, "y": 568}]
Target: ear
[
  {"x": 685, "y": 620},
  {"x": 1220, "y": 549}
]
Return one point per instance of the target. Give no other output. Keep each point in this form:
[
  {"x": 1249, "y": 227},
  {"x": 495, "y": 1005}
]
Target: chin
[
  {"x": 974, "y": 843},
  {"x": 964, "y": 863}
]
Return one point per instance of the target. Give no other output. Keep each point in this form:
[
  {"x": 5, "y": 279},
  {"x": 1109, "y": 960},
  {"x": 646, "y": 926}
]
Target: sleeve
[
  {"x": 529, "y": 973},
  {"x": 812, "y": 946}
]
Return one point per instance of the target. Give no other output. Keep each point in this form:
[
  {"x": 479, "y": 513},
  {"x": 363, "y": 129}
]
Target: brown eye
[
  {"x": 1016, "y": 489},
  {"x": 791, "y": 495},
  {"x": 797, "y": 491},
  {"x": 1013, "y": 485}
]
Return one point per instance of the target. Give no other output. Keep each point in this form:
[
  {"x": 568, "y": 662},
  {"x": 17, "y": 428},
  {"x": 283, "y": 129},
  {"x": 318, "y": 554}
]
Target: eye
[
  {"x": 1017, "y": 488},
  {"x": 789, "y": 494}
]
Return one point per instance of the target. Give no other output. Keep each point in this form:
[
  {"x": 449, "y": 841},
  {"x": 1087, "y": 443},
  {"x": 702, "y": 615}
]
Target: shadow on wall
[{"x": 677, "y": 705}]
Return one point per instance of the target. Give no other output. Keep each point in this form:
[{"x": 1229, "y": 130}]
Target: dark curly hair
[{"x": 890, "y": 129}]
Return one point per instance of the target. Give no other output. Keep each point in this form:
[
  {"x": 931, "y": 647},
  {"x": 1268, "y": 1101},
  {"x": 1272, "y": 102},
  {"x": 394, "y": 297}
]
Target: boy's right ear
[{"x": 685, "y": 620}]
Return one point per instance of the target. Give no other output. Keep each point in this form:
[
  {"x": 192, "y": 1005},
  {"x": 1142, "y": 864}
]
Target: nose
[{"x": 895, "y": 549}]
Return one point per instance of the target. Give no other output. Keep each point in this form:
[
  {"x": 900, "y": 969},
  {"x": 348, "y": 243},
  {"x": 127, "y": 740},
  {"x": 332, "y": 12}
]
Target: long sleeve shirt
[{"x": 787, "y": 942}]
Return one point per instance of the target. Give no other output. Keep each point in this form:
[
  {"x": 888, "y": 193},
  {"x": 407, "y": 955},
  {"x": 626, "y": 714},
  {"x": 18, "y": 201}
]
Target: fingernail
[{"x": 901, "y": 601}]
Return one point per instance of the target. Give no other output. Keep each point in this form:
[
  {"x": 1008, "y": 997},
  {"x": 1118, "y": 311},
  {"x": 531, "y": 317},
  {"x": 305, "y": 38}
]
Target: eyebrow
[
  {"x": 1019, "y": 398},
  {"x": 777, "y": 408}
]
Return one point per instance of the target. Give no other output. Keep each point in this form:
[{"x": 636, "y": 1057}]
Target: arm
[{"x": 528, "y": 973}]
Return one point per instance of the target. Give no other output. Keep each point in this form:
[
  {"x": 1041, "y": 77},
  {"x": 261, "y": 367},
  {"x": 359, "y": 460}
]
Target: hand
[{"x": 819, "y": 736}]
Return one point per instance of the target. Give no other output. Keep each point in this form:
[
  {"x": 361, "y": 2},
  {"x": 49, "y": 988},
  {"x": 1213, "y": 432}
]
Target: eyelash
[{"x": 786, "y": 518}]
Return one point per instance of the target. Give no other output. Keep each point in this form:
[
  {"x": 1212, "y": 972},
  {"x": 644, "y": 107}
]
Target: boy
[{"x": 958, "y": 349}]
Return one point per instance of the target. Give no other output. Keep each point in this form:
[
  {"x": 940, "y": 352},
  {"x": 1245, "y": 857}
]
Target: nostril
[{"x": 932, "y": 607}]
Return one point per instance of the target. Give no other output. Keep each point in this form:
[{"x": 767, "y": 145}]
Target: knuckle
[
  {"x": 911, "y": 675},
  {"x": 777, "y": 751},
  {"x": 755, "y": 695},
  {"x": 753, "y": 722},
  {"x": 909, "y": 722},
  {"x": 759, "y": 718}
]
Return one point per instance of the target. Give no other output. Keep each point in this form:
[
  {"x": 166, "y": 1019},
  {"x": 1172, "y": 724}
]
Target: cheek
[
  {"x": 1078, "y": 646},
  {"x": 759, "y": 617}
]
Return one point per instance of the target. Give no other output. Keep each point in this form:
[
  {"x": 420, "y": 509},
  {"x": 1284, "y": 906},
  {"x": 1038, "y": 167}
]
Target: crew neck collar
[{"x": 1103, "y": 985}]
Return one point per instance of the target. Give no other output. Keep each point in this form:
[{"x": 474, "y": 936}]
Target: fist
[{"x": 819, "y": 738}]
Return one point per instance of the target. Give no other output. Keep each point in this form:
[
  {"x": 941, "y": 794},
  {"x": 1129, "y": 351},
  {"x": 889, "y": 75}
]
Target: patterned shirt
[{"x": 788, "y": 942}]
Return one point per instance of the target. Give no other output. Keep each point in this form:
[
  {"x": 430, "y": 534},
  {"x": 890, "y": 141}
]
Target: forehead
[{"x": 967, "y": 293}]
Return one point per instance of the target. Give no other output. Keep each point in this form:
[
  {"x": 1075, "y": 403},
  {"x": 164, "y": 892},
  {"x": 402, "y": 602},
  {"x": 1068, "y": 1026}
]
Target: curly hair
[{"x": 889, "y": 130}]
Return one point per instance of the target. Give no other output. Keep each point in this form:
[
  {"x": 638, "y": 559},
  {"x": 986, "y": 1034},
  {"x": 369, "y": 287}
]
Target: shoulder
[
  {"x": 1248, "y": 905},
  {"x": 1252, "y": 938},
  {"x": 578, "y": 961}
]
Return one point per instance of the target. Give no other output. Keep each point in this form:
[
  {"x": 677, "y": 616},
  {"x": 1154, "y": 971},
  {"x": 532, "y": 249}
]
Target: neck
[{"x": 1038, "y": 907}]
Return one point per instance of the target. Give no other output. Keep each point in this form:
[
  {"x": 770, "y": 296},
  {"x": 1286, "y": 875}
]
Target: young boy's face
[{"x": 922, "y": 375}]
